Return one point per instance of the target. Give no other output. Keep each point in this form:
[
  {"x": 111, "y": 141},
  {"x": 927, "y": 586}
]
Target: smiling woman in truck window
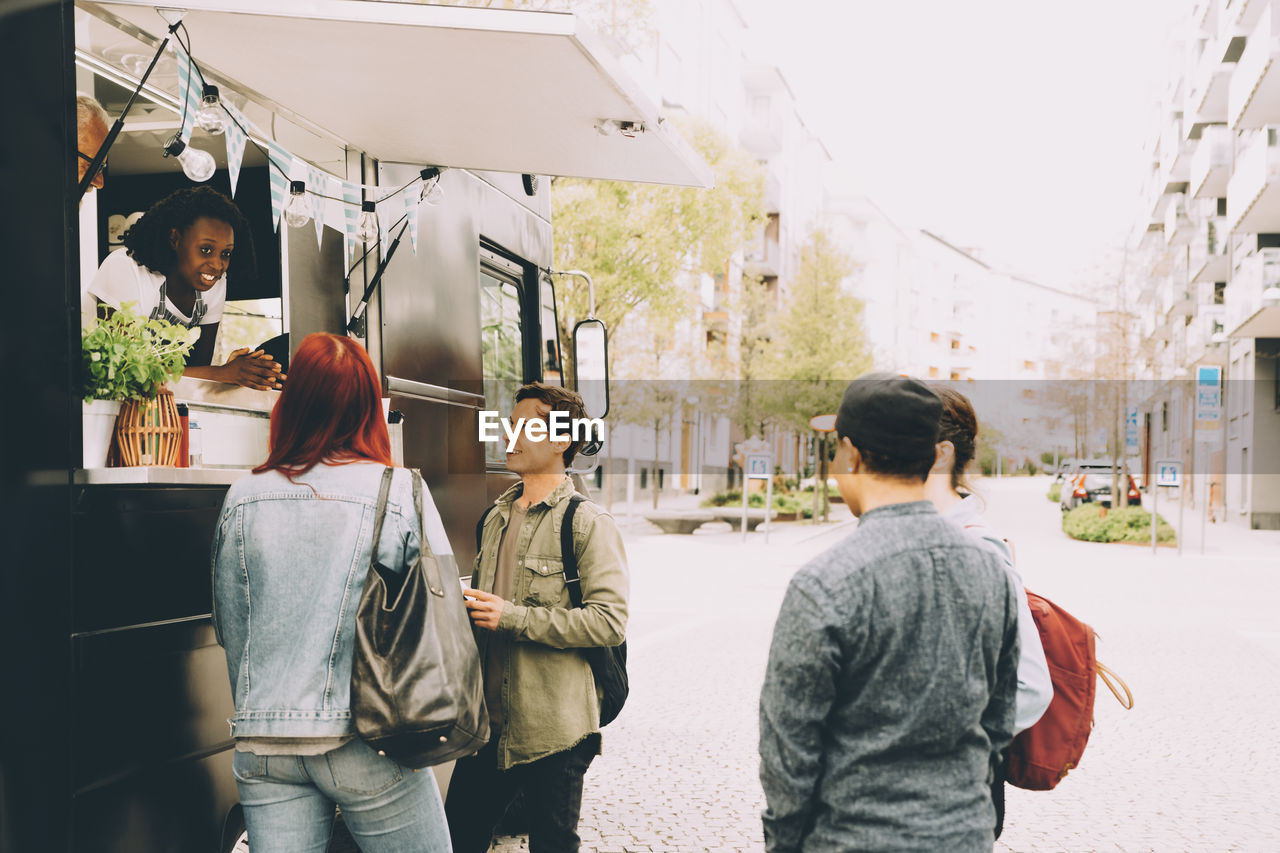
[{"x": 175, "y": 266}]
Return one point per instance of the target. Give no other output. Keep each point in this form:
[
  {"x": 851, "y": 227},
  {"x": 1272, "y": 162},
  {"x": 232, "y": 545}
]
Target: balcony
[
  {"x": 1249, "y": 313},
  {"x": 764, "y": 256},
  {"x": 1209, "y": 260},
  {"x": 1205, "y": 336},
  {"x": 1178, "y": 227},
  {"x": 772, "y": 192},
  {"x": 1243, "y": 15},
  {"x": 1211, "y": 164},
  {"x": 1207, "y": 102},
  {"x": 1174, "y": 153},
  {"x": 1253, "y": 193},
  {"x": 1254, "y": 97}
]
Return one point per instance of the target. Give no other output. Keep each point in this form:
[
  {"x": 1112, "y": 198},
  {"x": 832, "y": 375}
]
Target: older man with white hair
[{"x": 92, "y": 126}]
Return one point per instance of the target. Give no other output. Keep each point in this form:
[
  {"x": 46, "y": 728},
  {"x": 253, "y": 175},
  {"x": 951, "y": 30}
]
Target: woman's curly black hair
[{"x": 148, "y": 239}]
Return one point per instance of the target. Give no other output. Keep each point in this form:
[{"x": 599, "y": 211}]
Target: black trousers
[
  {"x": 480, "y": 793},
  {"x": 997, "y": 792}
]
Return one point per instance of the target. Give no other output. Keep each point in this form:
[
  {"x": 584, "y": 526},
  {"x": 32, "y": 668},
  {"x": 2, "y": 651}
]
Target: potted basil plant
[{"x": 126, "y": 357}]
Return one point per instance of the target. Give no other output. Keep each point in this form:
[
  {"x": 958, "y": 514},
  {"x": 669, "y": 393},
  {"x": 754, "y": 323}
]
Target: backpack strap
[
  {"x": 567, "y": 553},
  {"x": 484, "y": 516}
]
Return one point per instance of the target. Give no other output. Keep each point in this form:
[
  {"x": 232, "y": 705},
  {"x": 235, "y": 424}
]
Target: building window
[
  {"x": 934, "y": 373},
  {"x": 955, "y": 376},
  {"x": 934, "y": 337},
  {"x": 1219, "y": 292},
  {"x": 1164, "y": 416},
  {"x": 955, "y": 343},
  {"x": 644, "y": 478},
  {"x": 1028, "y": 365}
]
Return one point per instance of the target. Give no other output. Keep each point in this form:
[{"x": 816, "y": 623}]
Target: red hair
[{"x": 330, "y": 409}]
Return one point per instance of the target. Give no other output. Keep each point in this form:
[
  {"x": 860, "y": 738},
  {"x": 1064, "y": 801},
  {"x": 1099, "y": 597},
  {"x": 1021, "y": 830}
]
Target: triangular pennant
[
  {"x": 236, "y": 141},
  {"x": 317, "y": 188},
  {"x": 411, "y": 197},
  {"x": 279, "y": 170},
  {"x": 351, "y": 213},
  {"x": 189, "y": 92}
]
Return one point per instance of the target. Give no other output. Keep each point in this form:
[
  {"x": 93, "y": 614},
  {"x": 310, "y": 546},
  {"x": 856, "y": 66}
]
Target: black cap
[{"x": 895, "y": 416}]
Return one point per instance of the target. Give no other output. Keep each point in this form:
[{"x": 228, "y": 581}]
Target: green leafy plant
[
  {"x": 128, "y": 357},
  {"x": 1055, "y": 492},
  {"x": 1128, "y": 524}
]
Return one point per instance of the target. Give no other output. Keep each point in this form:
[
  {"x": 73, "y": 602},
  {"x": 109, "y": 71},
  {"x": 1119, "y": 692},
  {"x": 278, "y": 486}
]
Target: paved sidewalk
[{"x": 1191, "y": 768}]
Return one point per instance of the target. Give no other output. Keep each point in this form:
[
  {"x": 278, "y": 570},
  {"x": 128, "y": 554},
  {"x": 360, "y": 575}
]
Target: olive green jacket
[{"x": 548, "y": 692}]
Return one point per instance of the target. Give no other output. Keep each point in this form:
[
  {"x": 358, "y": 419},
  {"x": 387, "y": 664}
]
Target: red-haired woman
[{"x": 290, "y": 555}]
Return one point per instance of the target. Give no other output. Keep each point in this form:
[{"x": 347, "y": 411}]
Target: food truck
[{"x": 114, "y": 728}]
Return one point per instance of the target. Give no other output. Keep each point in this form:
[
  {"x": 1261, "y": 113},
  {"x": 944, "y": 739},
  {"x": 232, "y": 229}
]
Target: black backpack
[{"x": 608, "y": 663}]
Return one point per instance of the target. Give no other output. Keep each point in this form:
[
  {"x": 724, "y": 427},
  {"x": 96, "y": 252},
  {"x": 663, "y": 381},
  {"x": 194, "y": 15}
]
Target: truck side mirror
[{"x": 591, "y": 366}]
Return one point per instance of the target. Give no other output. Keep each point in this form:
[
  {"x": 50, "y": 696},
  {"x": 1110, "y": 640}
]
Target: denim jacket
[
  {"x": 289, "y": 564},
  {"x": 549, "y": 695}
]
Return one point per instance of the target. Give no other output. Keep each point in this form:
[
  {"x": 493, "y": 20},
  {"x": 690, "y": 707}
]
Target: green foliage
[
  {"x": 801, "y": 503},
  {"x": 1130, "y": 524},
  {"x": 128, "y": 357},
  {"x": 819, "y": 343},
  {"x": 1055, "y": 492},
  {"x": 639, "y": 241}
]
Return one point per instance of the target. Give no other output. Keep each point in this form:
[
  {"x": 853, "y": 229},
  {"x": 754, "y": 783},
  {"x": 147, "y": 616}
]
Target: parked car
[{"x": 1091, "y": 482}]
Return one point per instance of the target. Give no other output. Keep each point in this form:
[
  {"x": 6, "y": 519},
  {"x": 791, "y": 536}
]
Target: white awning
[{"x": 462, "y": 87}]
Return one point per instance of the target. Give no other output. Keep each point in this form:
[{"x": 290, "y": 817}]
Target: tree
[
  {"x": 820, "y": 344},
  {"x": 641, "y": 242}
]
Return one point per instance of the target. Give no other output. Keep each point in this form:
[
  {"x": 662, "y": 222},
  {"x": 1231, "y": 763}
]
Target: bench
[
  {"x": 755, "y": 516},
  {"x": 679, "y": 522}
]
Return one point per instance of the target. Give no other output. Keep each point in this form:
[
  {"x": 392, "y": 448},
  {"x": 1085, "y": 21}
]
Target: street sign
[
  {"x": 759, "y": 466},
  {"x": 1208, "y": 397},
  {"x": 1131, "y": 432},
  {"x": 1169, "y": 473}
]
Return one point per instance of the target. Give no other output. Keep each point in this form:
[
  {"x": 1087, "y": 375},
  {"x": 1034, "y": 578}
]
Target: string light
[
  {"x": 367, "y": 229},
  {"x": 211, "y": 117},
  {"x": 198, "y": 165},
  {"x": 297, "y": 210},
  {"x": 432, "y": 192}
]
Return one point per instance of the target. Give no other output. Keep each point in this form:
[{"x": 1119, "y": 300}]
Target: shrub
[
  {"x": 1055, "y": 492},
  {"x": 1129, "y": 524}
]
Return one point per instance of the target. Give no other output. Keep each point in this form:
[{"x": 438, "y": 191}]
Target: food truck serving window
[{"x": 501, "y": 339}]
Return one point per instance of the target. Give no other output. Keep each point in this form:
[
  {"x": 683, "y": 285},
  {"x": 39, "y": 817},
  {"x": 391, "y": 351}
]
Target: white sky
[{"x": 1012, "y": 126}]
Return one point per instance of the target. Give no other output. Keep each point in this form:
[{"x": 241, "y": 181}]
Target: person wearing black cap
[{"x": 889, "y": 691}]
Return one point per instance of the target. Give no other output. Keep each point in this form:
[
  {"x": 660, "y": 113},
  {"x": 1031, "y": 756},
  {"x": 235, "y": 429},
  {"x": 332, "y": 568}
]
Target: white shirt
[
  {"x": 121, "y": 279},
  {"x": 1035, "y": 688}
]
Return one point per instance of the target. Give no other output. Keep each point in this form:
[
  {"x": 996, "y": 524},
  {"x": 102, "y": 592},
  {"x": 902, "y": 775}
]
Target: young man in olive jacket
[{"x": 544, "y": 707}]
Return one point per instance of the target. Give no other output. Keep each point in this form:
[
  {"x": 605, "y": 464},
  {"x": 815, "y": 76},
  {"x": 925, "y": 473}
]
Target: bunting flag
[
  {"x": 388, "y": 213},
  {"x": 411, "y": 196},
  {"x": 279, "y": 170},
  {"x": 317, "y": 188},
  {"x": 351, "y": 213},
  {"x": 236, "y": 141},
  {"x": 189, "y": 90}
]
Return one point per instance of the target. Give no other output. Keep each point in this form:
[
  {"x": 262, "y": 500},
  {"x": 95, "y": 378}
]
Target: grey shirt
[{"x": 889, "y": 691}]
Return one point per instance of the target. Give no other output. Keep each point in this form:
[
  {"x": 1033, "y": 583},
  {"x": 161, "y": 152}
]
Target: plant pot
[
  {"x": 148, "y": 432},
  {"x": 99, "y": 425}
]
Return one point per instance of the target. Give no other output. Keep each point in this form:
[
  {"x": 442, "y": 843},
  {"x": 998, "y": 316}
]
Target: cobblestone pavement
[{"x": 1191, "y": 768}]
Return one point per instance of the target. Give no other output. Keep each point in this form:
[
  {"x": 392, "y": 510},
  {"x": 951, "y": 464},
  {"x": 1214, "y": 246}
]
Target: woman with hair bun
[
  {"x": 175, "y": 266},
  {"x": 290, "y": 554},
  {"x": 951, "y": 494}
]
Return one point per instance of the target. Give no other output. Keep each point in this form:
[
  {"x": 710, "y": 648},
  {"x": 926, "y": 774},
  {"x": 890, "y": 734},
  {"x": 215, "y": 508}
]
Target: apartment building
[
  {"x": 700, "y": 62},
  {"x": 1207, "y": 280}
]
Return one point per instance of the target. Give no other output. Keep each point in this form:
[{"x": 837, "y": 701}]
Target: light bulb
[
  {"x": 297, "y": 210},
  {"x": 367, "y": 229},
  {"x": 211, "y": 118},
  {"x": 432, "y": 192},
  {"x": 198, "y": 165}
]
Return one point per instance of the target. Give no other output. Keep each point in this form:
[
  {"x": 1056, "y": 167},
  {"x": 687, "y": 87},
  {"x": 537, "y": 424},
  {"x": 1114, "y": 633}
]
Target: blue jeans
[{"x": 289, "y": 802}]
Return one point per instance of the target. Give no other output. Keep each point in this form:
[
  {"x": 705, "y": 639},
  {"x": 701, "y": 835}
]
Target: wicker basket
[{"x": 148, "y": 432}]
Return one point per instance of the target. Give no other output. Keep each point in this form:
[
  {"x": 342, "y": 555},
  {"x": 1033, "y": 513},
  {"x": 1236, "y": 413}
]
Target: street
[{"x": 1196, "y": 638}]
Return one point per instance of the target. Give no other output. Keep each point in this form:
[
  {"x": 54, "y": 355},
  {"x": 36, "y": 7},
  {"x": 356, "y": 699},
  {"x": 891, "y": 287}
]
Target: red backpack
[{"x": 1042, "y": 755}]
